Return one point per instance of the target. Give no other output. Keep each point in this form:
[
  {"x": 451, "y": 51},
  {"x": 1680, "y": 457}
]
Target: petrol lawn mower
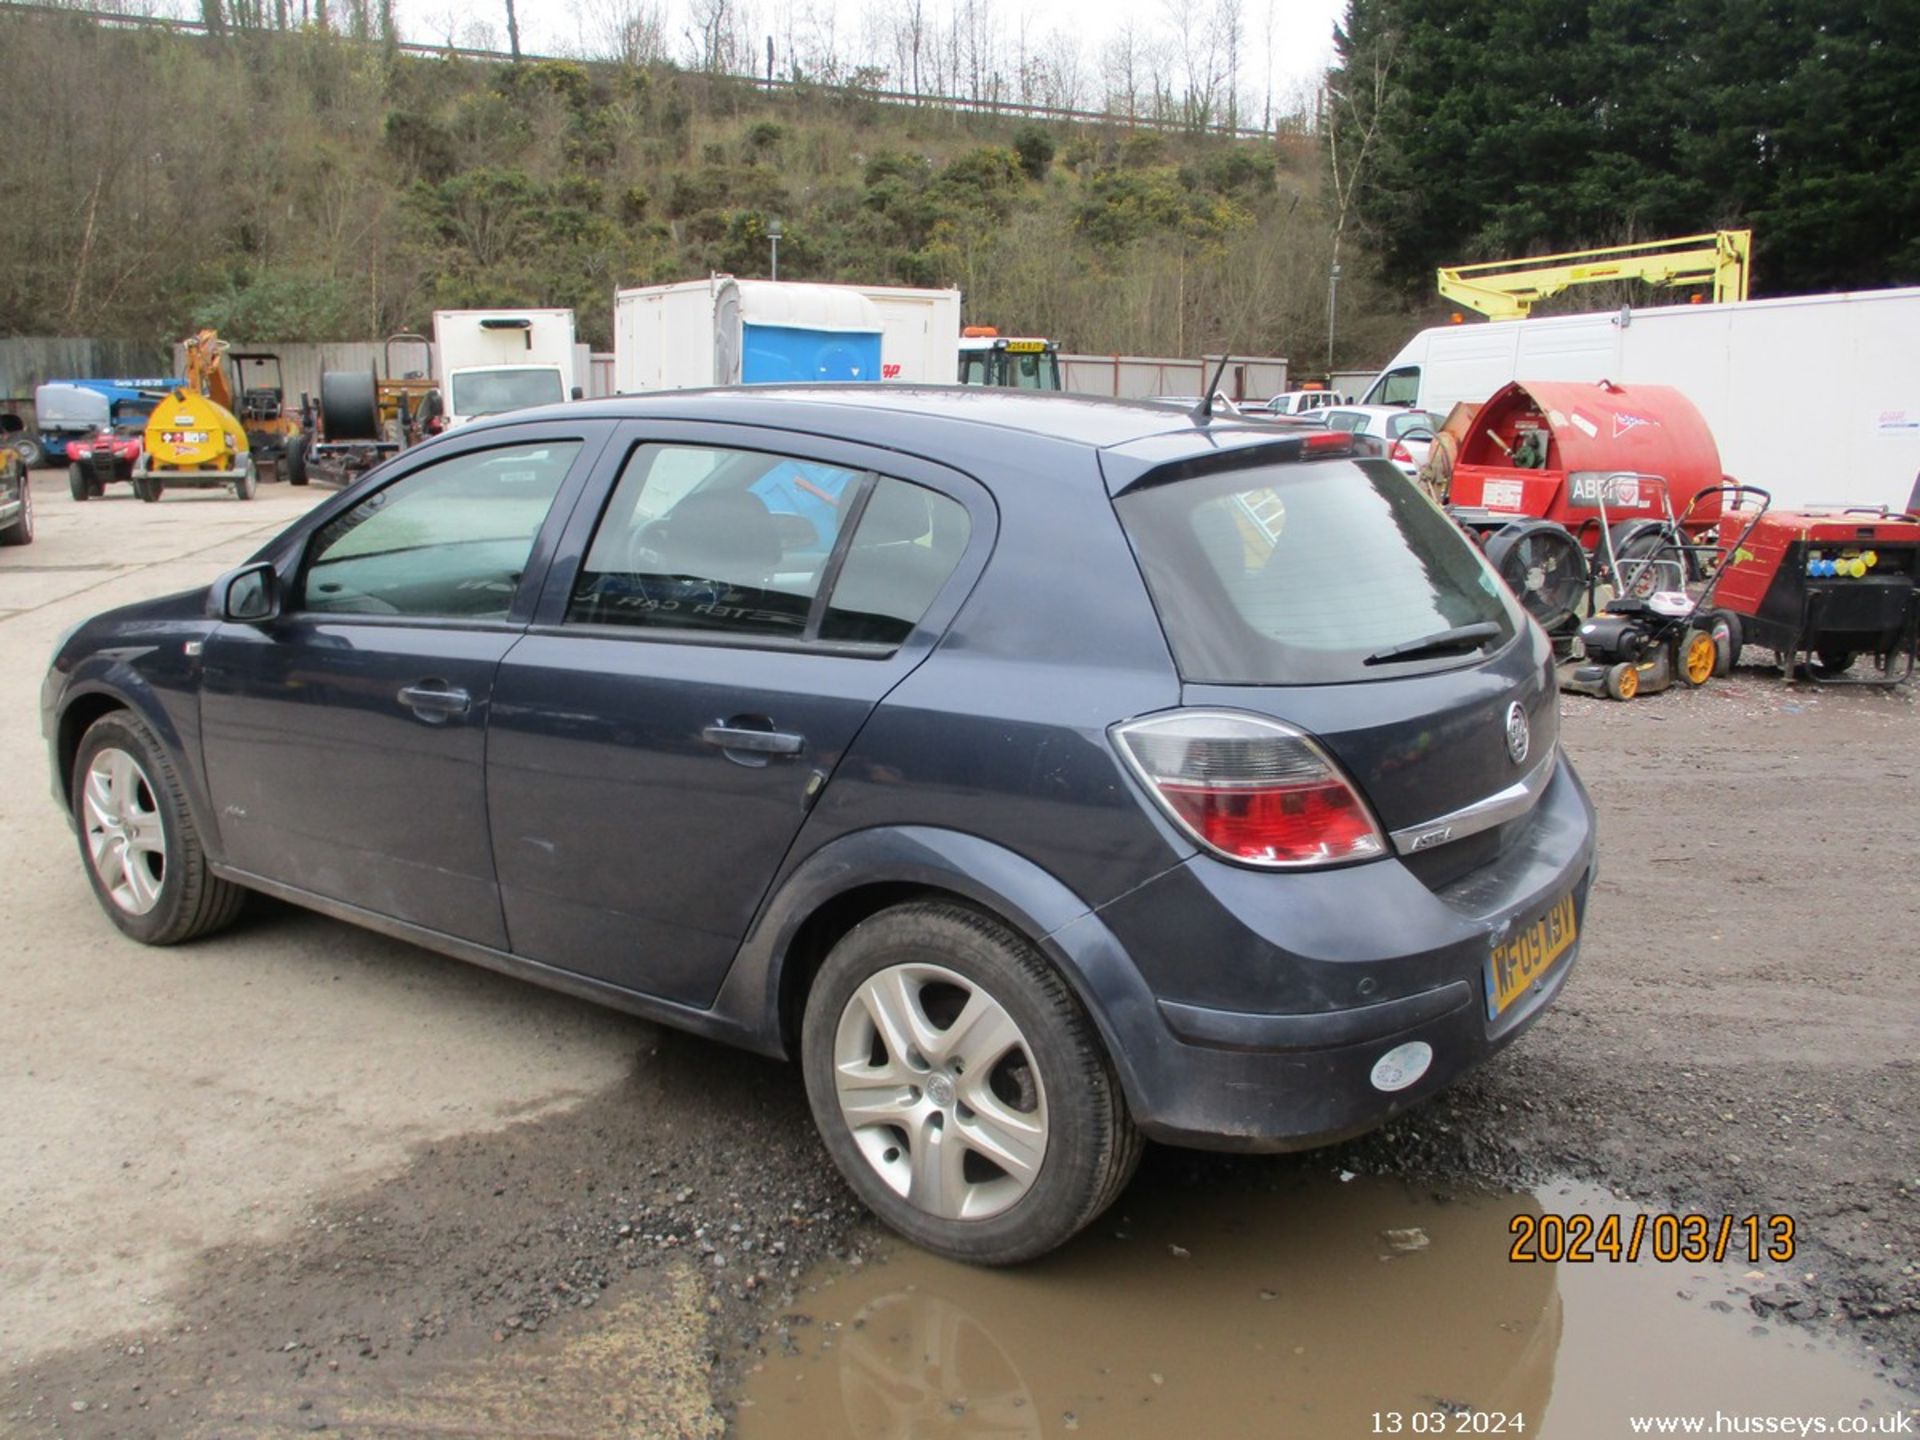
[{"x": 1652, "y": 631}]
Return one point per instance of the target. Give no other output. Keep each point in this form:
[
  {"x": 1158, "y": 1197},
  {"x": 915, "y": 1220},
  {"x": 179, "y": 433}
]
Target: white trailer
[
  {"x": 489, "y": 361},
  {"x": 723, "y": 331},
  {"x": 1815, "y": 398}
]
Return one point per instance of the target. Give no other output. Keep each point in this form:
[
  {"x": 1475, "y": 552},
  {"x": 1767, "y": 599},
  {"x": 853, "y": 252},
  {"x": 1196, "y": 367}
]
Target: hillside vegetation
[{"x": 299, "y": 185}]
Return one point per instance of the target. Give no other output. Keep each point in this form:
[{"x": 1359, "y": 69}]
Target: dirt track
[{"x": 310, "y": 1177}]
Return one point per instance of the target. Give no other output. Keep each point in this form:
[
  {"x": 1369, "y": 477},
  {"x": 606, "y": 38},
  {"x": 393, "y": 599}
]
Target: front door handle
[
  {"x": 757, "y": 742},
  {"x": 435, "y": 703}
]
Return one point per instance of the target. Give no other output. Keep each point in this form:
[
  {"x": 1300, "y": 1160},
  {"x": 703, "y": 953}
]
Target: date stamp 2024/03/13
[{"x": 1690, "y": 1239}]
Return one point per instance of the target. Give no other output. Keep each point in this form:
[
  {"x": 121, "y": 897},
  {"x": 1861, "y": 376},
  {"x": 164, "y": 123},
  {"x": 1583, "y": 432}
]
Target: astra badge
[{"x": 1518, "y": 736}]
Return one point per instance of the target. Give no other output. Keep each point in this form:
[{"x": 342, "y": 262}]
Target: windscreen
[
  {"x": 1310, "y": 573},
  {"x": 489, "y": 392}
]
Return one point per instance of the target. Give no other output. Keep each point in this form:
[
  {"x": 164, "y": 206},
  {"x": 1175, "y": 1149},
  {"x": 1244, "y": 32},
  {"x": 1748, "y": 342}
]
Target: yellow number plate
[
  {"x": 1026, "y": 347},
  {"x": 1527, "y": 955}
]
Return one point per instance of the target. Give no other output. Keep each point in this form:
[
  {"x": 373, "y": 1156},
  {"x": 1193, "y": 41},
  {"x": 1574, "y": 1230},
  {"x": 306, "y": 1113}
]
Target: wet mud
[{"x": 1310, "y": 1306}]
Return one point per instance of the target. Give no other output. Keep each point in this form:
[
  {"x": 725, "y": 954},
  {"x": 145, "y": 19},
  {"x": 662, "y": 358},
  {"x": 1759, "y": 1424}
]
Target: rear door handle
[
  {"x": 430, "y": 702},
  {"x": 758, "y": 742}
]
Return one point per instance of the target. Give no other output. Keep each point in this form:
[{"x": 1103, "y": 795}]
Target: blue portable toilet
[{"x": 770, "y": 332}]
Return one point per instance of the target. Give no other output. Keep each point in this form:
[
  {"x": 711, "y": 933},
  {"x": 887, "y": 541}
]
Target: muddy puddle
[{"x": 1316, "y": 1307}]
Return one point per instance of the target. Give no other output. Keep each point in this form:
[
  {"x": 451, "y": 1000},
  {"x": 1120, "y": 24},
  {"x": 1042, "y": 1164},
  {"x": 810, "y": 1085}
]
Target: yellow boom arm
[{"x": 1507, "y": 289}]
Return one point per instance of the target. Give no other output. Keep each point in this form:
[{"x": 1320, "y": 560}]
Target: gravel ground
[{"x": 320, "y": 1180}]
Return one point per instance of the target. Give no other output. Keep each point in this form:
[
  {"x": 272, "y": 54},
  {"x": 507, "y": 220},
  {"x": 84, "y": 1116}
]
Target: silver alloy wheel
[
  {"x": 126, "y": 838},
  {"x": 940, "y": 1091}
]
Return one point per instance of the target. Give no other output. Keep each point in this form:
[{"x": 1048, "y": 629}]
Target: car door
[
  {"x": 711, "y": 640},
  {"x": 344, "y": 740}
]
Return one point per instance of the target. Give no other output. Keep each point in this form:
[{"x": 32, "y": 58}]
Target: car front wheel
[
  {"x": 960, "y": 1088},
  {"x": 138, "y": 840}
]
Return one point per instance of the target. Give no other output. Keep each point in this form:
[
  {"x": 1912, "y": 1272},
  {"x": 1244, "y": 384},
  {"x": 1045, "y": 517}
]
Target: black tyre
[
  {"x": 1623, "y": 681},
  {"x": 147, "y": 485},
  {"x": 1728, "y": 642},
  {"x": 21, "y": 531},
  {"x": 960, "y": 1088},
  {"x": 137, "y": 837},
  {"x": 248, "y": 485},
  {"x": 296, "y": 461},
  {"x": 1699, "y": 658},
  {"x": 32, "y": 454},
  {"x": 79, "y": 481}
]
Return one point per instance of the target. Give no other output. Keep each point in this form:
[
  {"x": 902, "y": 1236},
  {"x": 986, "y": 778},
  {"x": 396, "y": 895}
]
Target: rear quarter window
[{"x": 1299, "y": 573}]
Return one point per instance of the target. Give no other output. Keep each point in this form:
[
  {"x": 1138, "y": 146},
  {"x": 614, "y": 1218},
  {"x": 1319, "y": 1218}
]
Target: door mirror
[
  {"x": 578, "y": 393},
  {"x": 249, "y": 596}
]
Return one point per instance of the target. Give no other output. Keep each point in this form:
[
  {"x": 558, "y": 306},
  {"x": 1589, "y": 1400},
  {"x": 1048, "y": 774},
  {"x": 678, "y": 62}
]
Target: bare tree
[
  {"x": 1121, "y": 61},
  {"x": 513, "y": 30},
  {"x": 632, "y": 32}
]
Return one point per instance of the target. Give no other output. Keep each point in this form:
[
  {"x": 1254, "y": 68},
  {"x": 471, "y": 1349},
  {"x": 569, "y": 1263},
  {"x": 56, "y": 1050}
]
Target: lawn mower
[
  {"x": 1651, "y": 630},
  {"x": 1821, "y": 587}
]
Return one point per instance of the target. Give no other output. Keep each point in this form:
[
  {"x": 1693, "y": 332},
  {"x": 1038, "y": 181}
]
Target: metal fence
[
  {"x": 1137, "y": 376},
  {"x": 29, "y": 361},
  {"x": 1283, "y": 134}
]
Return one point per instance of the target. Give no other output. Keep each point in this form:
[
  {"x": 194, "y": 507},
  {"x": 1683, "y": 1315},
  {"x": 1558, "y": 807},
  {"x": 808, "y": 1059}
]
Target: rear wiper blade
[{"x": 1461, "y": 637}]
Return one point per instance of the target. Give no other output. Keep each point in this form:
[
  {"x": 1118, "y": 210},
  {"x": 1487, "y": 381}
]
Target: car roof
[{"x": 903, "y": 416}]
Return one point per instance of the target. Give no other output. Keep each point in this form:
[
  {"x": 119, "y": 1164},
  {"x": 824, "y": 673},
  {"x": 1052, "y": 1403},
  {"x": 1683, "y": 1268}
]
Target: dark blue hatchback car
[{"x": 1042, "y": 773}]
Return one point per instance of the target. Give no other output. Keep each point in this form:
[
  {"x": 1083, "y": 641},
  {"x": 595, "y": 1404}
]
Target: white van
[{"x": 1745, "y": 365}]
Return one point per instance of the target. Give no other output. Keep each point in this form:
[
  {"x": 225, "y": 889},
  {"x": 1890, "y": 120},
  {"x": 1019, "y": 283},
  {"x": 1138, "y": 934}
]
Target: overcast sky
[{"x": 1300, "y": 49}]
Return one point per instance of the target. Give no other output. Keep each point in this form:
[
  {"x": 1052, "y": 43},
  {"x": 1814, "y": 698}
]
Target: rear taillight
[
  {"x": 1399, "y": 454},
  {"x": 1250, "y": 789}
]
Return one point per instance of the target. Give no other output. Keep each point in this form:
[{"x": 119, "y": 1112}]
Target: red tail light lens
[
  {"x": 1250, "y": 789},
  {"x": 1399, "y": 454}
]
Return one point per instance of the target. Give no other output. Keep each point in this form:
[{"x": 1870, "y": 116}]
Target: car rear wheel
[
  {"x": 138, "y": 839},
  {"x": 960, "y": 1088},
  {"x": 20, "y": 532}
]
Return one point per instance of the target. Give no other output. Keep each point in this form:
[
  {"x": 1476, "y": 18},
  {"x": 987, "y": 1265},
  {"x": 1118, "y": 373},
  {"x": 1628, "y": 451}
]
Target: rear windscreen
[{"x": 1304, "y": 573}]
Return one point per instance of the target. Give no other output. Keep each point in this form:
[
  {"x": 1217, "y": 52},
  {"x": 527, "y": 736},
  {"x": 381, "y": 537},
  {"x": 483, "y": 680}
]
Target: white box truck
[
  {"x": 920, "y": 339},
  {"x": 1815, "y": 398},
  {"x": 489, "y": 361},
  {"x": 723, "y": 331}
]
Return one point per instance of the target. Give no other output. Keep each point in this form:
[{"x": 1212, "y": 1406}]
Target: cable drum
[
  {"x": 349, "y": 405},
  {"x": 1543, "y": 565}
]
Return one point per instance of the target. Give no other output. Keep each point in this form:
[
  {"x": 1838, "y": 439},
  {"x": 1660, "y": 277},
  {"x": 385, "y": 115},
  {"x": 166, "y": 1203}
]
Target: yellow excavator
[
  {"x": 1508, "y": 289},
  {"x": 193, "y": 439}
]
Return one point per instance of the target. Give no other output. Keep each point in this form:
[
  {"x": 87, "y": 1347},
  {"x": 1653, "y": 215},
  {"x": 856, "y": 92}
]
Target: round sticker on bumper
[{"x": 1402, "y": 1065}]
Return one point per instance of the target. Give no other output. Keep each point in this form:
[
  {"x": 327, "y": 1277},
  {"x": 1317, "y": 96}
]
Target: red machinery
[
  {"x": 1828, "y": 583},
  {"x": 1536, "y": 461}
]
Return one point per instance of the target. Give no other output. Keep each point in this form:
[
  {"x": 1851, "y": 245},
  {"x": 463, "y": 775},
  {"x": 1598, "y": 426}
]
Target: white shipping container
[
  {"x": 671, "y": 337},
  {"x": 1815, "y": 398}
]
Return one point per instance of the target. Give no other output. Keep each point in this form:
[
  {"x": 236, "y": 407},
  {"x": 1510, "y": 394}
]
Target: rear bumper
[{"x": 1366, "y": 962}]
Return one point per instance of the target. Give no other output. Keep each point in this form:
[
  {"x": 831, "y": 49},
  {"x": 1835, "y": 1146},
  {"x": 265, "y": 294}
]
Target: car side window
[
  {"x": 751, "y": 543},
  {"x": 707, "y": 538},
  {"x": 907, "y": 543},
  {"x": 449, "y": 541}
]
